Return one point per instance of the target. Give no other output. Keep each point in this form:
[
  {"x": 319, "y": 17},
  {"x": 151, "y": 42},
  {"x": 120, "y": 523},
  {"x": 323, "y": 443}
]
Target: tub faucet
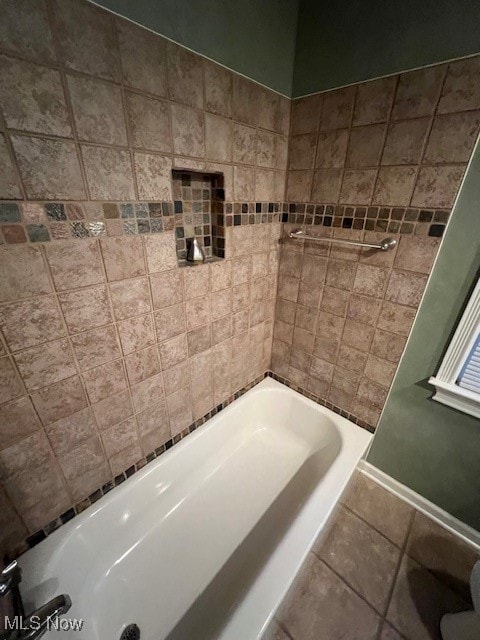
[{"x": 37, "y": 623}]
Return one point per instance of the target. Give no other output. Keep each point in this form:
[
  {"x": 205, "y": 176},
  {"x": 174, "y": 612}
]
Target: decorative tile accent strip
[
  {"x": 323, "y": 402},
  {"x": 74, "y": 510},
  {"x": 402, "y": 220},
  {"x": 22, "y": 222}
]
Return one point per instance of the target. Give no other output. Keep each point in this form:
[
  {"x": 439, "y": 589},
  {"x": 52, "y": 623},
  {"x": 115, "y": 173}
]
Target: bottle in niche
[{"x": 195, "y": 252}]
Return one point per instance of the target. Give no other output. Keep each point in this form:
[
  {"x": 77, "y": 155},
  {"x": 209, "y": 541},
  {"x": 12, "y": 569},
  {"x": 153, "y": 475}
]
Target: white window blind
[
  {"x": 469, "y": 377},
  {"x": 457, "y": 382}
]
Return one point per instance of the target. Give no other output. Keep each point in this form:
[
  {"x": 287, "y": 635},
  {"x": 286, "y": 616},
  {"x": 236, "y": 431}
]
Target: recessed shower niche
[{"x": 198, "y": 208}]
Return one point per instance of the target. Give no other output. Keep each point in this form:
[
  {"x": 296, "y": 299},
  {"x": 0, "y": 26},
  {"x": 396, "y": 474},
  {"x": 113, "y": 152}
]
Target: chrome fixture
[
  {"x": 35, "y": 624},
  {"x": 384, "y": 245},
  {"x": 195, "y": 252}
]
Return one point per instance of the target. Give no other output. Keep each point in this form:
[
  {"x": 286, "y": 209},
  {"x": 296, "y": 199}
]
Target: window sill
[{"x": 454, "y": 396}]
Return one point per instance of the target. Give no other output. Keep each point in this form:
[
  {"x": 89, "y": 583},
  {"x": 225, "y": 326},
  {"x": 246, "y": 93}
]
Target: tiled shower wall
[
  {"x": 377, "y": 159},
  {"x": 107, "y": 347}
]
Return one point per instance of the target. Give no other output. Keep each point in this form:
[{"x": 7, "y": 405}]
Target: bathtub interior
[{"x": 176, "y": 548}]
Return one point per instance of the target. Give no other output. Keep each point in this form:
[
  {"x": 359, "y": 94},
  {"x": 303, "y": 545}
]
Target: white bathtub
[{"x": 204, "y": 542}]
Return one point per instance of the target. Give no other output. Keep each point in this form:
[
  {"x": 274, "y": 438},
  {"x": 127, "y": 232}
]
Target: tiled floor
[{"x": 382, "y": 571}]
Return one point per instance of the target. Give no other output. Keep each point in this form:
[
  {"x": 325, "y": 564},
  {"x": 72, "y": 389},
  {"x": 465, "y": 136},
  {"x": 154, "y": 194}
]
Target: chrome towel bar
[{"x": 384, "y": 245}]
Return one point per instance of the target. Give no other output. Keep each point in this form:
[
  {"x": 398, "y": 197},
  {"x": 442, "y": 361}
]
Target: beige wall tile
[
  {"x": 374, "y": 100},
  {"x": 337, "y": 108},
  {"x": 49, "y": 168},
  {"x": 123, "y": 257},
  {"x": 85, "y": 308},
  {"x": 461, "y": 90},
  {"x": 406, "y": 288},
  {"x": 170, "y": 322},
  {"x": 405, "y": 140},
  {"x": 179, "y": 409},
  {"x": 30, "y": 37},
  {"x": 154, "y": 419},
  {"x": 96, "y": 347},
  {"x": 326, "y": 185},
  {"x": 452, "y": 137},
  {"x": 188, "y": 131},
  {"x": 143, "y": 58},
  {"x": 185, "y": 76},
  {"x": 59, "y": 400},
  {"x": 71, "y": 431},
  {"x": 418, "y": 92},
  {"x": 244, "y": 183},
  {"x": 105, "y": 380},
  {"x": 119, "y": 437},
  {"x": 218, "y": 89},
  {"x": 18, "y": 420},
  {"x": 167, "y": 288},
  {"x": 130, "y": 297},
  {"x": 30, "y": 453},
  {"x": 218, "y": 138},
  {"x": 365, "y": 146},
  {"x": 416, "y": 253},
  {"x": 98, "y": 110},
  {"x": 142, "y": 364},
  {"x": 357, "y": 186},
  {"x": 31, "y": 322},
  {"x": 160, "y": 252},
  {"x": 153, "y": 176},
  {"x": 136, "y": 333},
  {"x": 149, "y": 123},
  {"x": 9, "y": 186},
  {"x": 306, "y": 114},
  {"x": 10, "y": 385},
  {"x": 109, "y": 173},
  {"x": 75, "y": 264},
  {"x": 302, "y": 152},
  {"x": 32, "y": 98},
  {"x": 299, "y": 186},
  {"x": 44, "y": 365},
  {"x": 244, "y": 144},
  {"x": 332, "y": 148},
  {"x": 86, "y": 39}
]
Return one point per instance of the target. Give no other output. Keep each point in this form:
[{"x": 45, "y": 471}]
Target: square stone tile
[
  {"x": 143, "y": 57},
  {"x": 136, "y": 333},
  {"x": 108, "y": 172},
  {"x": 32, "y": 98},
  {"x": 185, "y": 76},
  {"x": 59, "y": 400},
  {"x": 98, "y": 110},
  {"x": 142, "y": 364},
  {"x": 418, "y": 92},
  {"x": 18, "y": 420},
  {"x": 381, "y": 509},
  {"x": 374, "y": 100},
  {"x": 405, "y": 140},
  {"x": 332, "y": 148},
  {"x": 370, "y": 280},
  {"x": 154, "y": 176},
  {"x": 188, "y": 131},
  {"x": 9, "y": 186},
  {"x": 25, "y": 30},
  {"x": 96, "y": 347},
  {"x": 149, "y": 122},
  {"x": 130, "y": 297},
  {"x": 322, "y": 607},
  {"x": 452, "y": 138},
  {"x": 71, "y": 431},
  {"x": 75, "y": 264},
  {"x": 44, "y": 365},
  {"x": 418, "y": 602},
  {"x": 380, "y": 370},
  {"x": 219, "y": 138},
  {"x": 396, "y": 318},
  {"x": 86, "y": 38},
  {"x": 50, "y": 169},
  {"x": 306, "y": 114},
  {"x": 461, "y": 91},
  {"x": 357, "y": 186},
  {"x": 388, "y": 346},
  {"x": 105, "y": 380},
  {"x": 170, "y": 322},
  {"x": 31, "y": 322},
  {"x": 85, "y": 308},
  {"x": 10, "y": 385},
  {"x": 337, "y": 108},
  {"x": 179, "y": 407},
  {"x": 406, "y": 287},
  {"x": 416, "y": 253},
  {"x": 365, "y": 559},
  {"x": 302, "y": 151},
  {"x": 160, "y": 252},
  {"x": 218, "y": 89},
  {"x": 365, "y": 146},
  {"x": 244, "y": 144},
  {"x": 123, "y": 257},
  {"x": 437, "y": 186},
  {"x": 394, "y": 186}
]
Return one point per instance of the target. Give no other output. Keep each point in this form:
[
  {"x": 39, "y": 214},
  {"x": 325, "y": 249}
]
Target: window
[{"x": 457, "y": 382}]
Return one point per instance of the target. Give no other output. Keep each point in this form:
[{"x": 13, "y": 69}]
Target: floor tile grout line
[{"x": 395, "y": 578}]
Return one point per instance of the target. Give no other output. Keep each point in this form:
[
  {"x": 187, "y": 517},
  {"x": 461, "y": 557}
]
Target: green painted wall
[
  {"x": 425, "y": 445},
  {"x": 253, "y": 37},
  {"x": 343, "y": 42}
]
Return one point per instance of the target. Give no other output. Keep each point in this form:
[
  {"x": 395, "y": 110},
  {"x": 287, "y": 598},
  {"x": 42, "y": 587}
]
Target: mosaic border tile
[
  {"x": 37, "y": 537},
  {"x": 32, "y": 222},
  {"x": 393, "y": 220}
]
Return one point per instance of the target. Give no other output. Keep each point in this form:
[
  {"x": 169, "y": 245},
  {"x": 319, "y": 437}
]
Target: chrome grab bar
[{"x": 384, "y": 245}]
